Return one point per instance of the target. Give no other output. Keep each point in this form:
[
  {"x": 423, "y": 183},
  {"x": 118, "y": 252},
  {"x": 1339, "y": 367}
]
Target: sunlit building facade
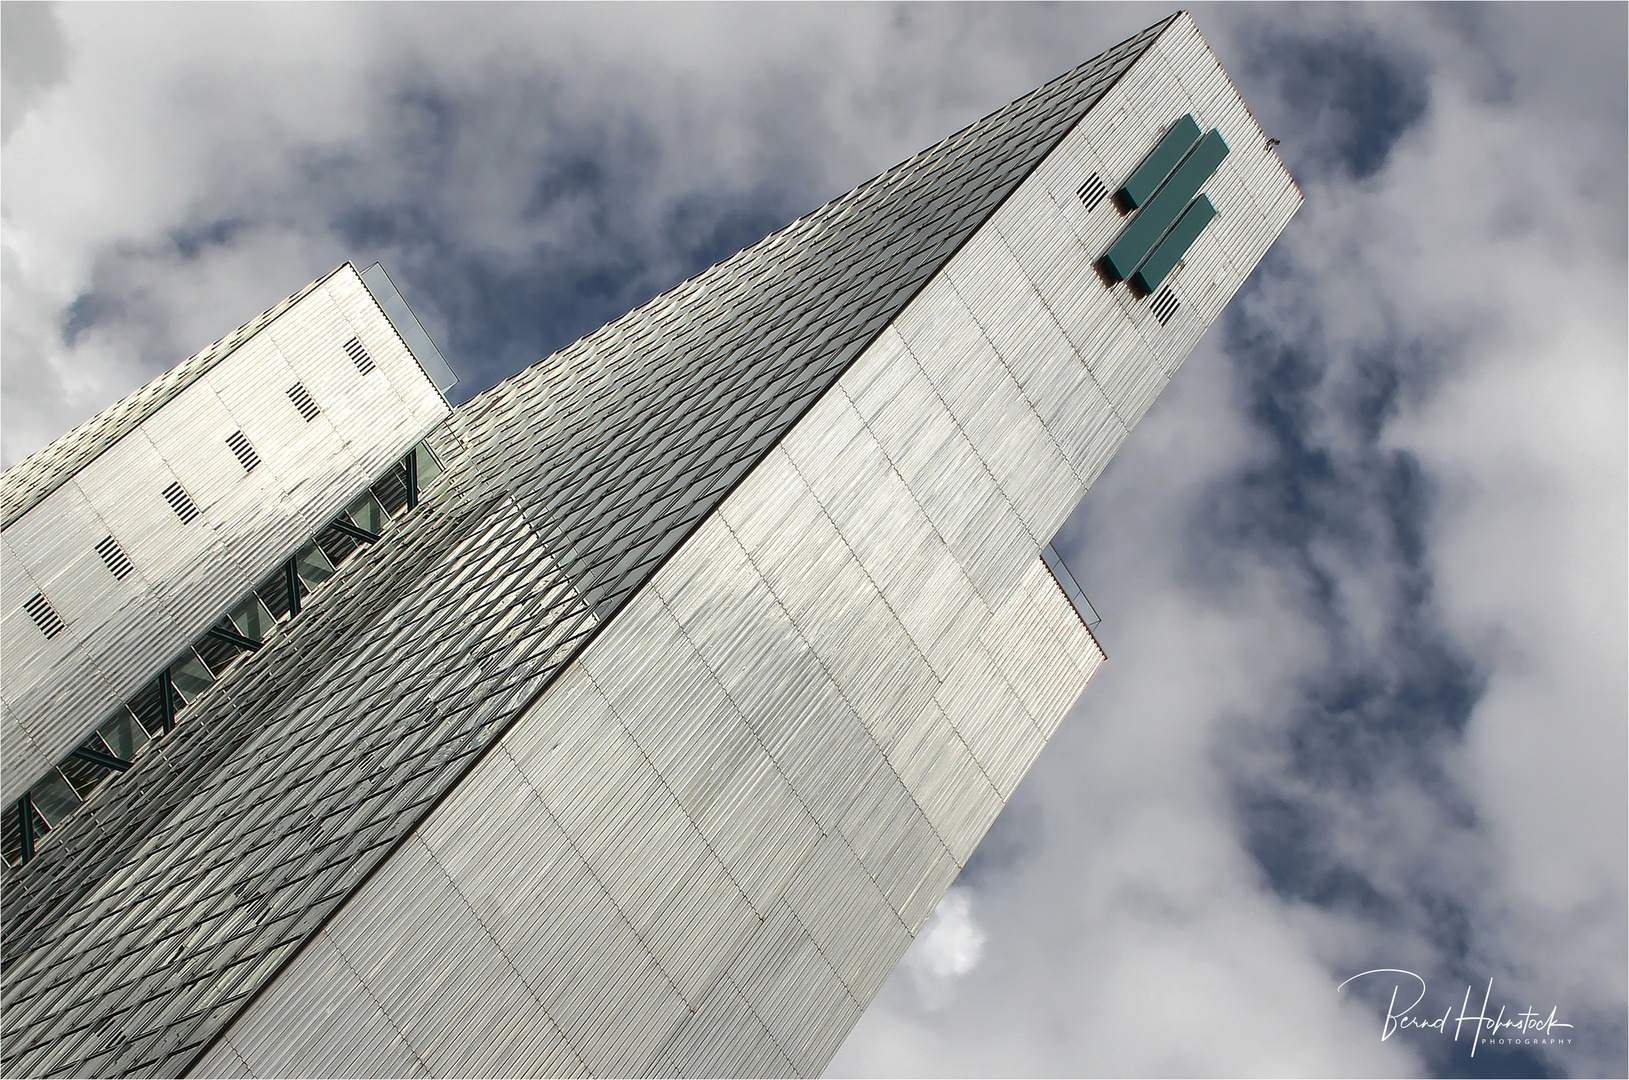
[{"x": 631, "y": 718}]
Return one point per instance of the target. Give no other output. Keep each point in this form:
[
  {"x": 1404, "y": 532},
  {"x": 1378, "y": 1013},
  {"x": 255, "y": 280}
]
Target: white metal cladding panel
[
  {"x": 450, "y": 1013},
  {"x": 840, "y": 907},
  {"x": 990, "y": 409},
  {"x": 1039, "y": 663},
  {"x": 125, "y": 485},
  {"x": 29, "y": 655},
  {"x": 253, "y": 385},
  {"x": 1025, "y": 459},
  {"x": 714, "y": 763},
  {"x": 832, "y": 601},
  {"x": 888, "y": 832},
  {"x": 893, "y": 532},
  {"x": 317, "y": 468},
  {"x": 410, "y": 382},
  {"x": 17, "y": 585},
  {"x": 311, "y": 337},
  {"x": 723, "y": 1037},
  {"x": 62, "y": 529},
  {"x": 949, "y": 784},
  {"x": 1029, "y": 657},
  {"x": 190, "y": 434},
  {"x": 703, "y": 915},
  {"x": 21, "y": 754},
  {"x": 775, "y": 680},
  {"x": 318, "y": 1020},
  {"x": 837, "y": 768},
  {"x": 991, "y": 719},
  {"x": 1063, "y": 173},
  {"x": 365, "y": 410},
  {"x": 946, "y": 477},
  {"x": 794, "y": 991}
]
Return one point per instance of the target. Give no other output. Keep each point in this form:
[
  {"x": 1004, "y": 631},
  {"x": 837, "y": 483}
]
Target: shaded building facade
[{"x": 644, "y": 730}]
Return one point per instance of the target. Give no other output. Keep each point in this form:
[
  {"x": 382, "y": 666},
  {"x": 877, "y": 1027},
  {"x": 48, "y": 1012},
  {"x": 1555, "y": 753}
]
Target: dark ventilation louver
[
  {"x": 1164, "y": 305},
  {"x": 112, "y": 554},
  {"x": 246, "y": 453},
  {"x": 44, "y": 615},
  {"x": 302, "y": 401},
  {"x": 1092, "y": 192},
  {"x": 354, "y": 349},
  {"x": 181, "y": 503}
]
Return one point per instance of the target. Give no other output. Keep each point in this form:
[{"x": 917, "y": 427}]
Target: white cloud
[{"x": 947, "y": 947}]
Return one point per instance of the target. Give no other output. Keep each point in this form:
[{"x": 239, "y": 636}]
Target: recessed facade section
[{"x": 207, "y": 478}]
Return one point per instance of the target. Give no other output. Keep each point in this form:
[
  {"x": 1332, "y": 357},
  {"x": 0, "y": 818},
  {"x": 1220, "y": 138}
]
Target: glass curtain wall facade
[{"x": 649, "y": 738}]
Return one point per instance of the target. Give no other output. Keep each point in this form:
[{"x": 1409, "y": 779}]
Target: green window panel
[
  {"x": 274, "y": 593},
  {"x": 367, "y": 514},
  {"x": 391, "y": 490},
  {"x": 1175, "y": 245},
  {"x": 148, "y": 705},
  {"x": 429, "y": 468},
  {"x": 190, "y": 675},
  {"x": 1160, "y": 162},
  {"x": 82, "y": 775},
  {"x": 313, "y": 565},
  {"x": 251, "y": 618},
  {"x": 123, "y": 735},
  {"x": 54, "y": 797},
  {"x": 216, "y": 653},
  {"x": 1161, "y": 212}
]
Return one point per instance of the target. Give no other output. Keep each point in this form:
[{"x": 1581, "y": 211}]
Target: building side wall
[
  {"x": 705, "y": 848},
  {"x": 119, "y": 632}
]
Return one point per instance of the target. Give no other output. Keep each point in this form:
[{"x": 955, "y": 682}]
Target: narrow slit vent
[
  {"x": 302, "y": 401},
  {"x": 364, "y": 362},
  {"x": 1164, "y": 305},
  {"x": 112, "y": 554},
  {"x": 44, "y": 615},
  {"x": 181, "y": 503},
  {"x": 246, "y": 453},
  {"x": 1092, "y": 192}
]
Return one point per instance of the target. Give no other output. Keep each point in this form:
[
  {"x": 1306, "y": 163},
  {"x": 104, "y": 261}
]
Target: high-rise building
[{"x": 632, "y": 717}]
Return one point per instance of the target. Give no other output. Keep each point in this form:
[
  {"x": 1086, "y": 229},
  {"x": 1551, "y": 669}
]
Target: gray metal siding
[{"x": 122, "y": 631}]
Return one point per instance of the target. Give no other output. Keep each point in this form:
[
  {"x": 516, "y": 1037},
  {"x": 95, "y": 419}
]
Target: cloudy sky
[{"x": 1362, "y": 567}]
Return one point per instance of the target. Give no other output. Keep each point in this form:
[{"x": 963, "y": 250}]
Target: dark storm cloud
[{"x": 1347, "y": 97}]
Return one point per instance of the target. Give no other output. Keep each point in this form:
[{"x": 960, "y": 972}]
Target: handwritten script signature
[{"x": 1524, "y": 1027}]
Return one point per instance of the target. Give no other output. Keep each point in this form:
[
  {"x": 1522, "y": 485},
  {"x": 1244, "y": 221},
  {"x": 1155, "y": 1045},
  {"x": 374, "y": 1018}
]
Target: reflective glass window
[
  {"x": 190, "y": 676},
  {"x": 313, "y": 566},
  {"x": 12, "y": 842},
  {"x": 147, "y": 705},
  {"x": 251, "y": 618},
  {"x": 216, "y": 653},
  {"x": 273, "y": 592},
  {"x": 123, "y": 734},
  {"x": 54, "y": 797},
  {"x": 84, "y": 776},
  {"x": 428, "y": 467},
  {"x": 366, "y": 513},
  {"x": 391, "y": 489},
  {"x": 336, "y": 545}
]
